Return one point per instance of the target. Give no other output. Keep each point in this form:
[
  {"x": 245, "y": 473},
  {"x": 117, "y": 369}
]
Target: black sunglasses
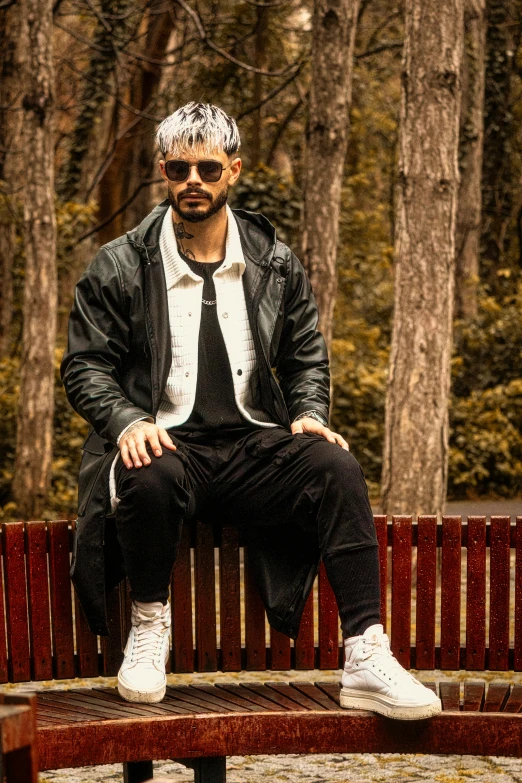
[{"x": 208, "y": 170}]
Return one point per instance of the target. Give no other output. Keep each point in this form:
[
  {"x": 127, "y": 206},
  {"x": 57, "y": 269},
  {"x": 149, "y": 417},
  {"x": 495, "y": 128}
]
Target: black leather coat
[{"x": 116, "y": 366}]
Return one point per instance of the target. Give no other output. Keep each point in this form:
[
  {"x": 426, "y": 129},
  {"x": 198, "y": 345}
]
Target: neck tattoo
[{"x": 180, "y": 233}]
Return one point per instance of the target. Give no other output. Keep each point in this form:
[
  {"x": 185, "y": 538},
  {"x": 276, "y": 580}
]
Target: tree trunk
[
  {"x": 415, "y": 458},
  {"x": 12, "y": 49},
  {"x": 132, "y": 164},
  {"x": 84, "y": 148},
  {"x": 471, "y": 146},
  {"x": 333, "y": 42},
  {"x": 36, "y": 402}
]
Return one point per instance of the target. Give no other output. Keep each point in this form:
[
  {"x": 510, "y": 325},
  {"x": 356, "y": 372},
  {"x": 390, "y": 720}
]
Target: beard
[{"x": 200, "y": 213}]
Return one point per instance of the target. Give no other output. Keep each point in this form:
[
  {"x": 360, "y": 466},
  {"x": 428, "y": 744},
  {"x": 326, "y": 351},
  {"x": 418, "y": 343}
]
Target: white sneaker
[
  {"x": 373, "y": 679},
  {"x": 142, "y": 674}
]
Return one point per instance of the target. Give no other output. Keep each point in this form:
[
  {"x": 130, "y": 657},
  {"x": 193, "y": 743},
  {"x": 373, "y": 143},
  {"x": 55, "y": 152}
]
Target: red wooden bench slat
[
  {"x": 328, "y": 623},
  {"x": 450, "y": 593},
  {"x": 280, "y": 651},
  {"x": 230, "y": 600},
  {"x": 449, "y": 693},
  {"x": 518, "y": 596},
  {"x": 499, "y": 594},
  {"x": 401, "y": 588},
  {"x": 270, "y": 699},
  {"x": 254, "y": 621},
  {"x": 514, "y": 703},
  {"x": 227, "y": 699},
  {"x": 112, "y": 645},
  {"x": 16, "y": 603},
  {"x": 241, "y": 696},
  {"x": 476, "y": 594},
  {"x": 318, "y": 696},
  {"x": 38, "y": 595},
  {"x": 304, "y": 644},
  {"x": 426, "y": 591},
  {"x": 109, "y": 695},
  {"x": 186, "y": 699},
  {"x": 4, "y": 674},
  {"x": 61, "y": 600},
  {"x": 474, "y": 696},
  {"x": 181, "y": 606},
  {"x": 204, "y": 577},
  {"x": 497, "y": 696},
  {"x": 381, "y": 528}
]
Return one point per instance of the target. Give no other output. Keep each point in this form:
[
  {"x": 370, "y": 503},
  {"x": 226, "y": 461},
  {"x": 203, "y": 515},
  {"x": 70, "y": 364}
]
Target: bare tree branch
[
  {"x": 83, "y": 40},
  {"x": 203, "y": 35},
  {"x": 132, "y": 55},
  {"x": 116, "y": 97},
  {"x": 282, "y": 127},
  {"x": 144, "y": 184},
  {"x": 273, "y": 92},
  {"x": 268, "y": 5},
  {"x": 110, "y": 153},
  {"x": 382, "y": 48}
]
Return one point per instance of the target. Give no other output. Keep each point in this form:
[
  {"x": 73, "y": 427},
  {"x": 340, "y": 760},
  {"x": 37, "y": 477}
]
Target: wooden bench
[
  {"x": 18, "y": 752},
  {"x": 46, "y": 636}
]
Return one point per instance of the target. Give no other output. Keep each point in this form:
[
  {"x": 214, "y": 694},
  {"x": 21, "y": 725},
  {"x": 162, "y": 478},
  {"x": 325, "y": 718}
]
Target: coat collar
[
  {"x": 256, "y": 233},
  {"x": 175, "y": 266}
]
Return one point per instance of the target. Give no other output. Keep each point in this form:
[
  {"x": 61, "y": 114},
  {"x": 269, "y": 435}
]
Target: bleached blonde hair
[{"x": 198, "y": 126}]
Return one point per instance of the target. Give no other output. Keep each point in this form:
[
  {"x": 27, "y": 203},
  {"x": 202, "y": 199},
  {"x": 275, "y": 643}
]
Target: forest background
[{"x": 123, "y": 65}]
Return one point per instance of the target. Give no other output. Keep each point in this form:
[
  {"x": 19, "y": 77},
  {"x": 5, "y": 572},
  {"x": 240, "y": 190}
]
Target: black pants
[{"x": 265, "y": 476}]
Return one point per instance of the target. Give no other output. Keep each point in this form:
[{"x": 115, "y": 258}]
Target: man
[{"x": 173, "y": 335}]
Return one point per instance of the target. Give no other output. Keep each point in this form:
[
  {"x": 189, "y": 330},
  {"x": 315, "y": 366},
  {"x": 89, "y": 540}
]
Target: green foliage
[
  {"x": 486, "y": 410},
  {"x": 486, "y": 443},
  {"x": 359, "y": 368},
  {"x": 264, "y": 190},
  {"x": 488, "y": 350},
  {"x": 69, "y": 429},
  {"x": 69, "y": 434},
  {"x": 9, "y": 387}
]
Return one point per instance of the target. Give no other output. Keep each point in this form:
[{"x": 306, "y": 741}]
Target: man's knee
[
  {"x": 336, "y": 462},
  {"x": 165, "y": 471}
]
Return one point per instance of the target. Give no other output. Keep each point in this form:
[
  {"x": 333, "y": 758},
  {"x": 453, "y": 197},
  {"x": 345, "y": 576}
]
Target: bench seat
[
  {"x": 451, "y": 597},
  {"x": 264, "y": 718}
]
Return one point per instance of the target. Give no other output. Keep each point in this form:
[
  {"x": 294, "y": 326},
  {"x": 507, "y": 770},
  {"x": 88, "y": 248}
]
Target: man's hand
[
  {"x": 132, "y": 445},
  {"x": 308, "y": 424}
]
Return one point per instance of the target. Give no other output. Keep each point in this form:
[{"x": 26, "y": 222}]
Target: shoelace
[
  {"x": 148, "y": 635},
  {"x": 378, "y": 646}
]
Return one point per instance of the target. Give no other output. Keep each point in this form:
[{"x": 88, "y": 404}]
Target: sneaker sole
[
  {"x": 391, "y": 708},
  {"x": 146, "y": 697}
]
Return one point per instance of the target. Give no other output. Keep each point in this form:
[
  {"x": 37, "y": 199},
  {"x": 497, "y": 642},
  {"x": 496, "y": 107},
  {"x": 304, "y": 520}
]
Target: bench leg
[
  {"x": 212, "y": 769},
  {"x": 20, "y": 766},
  {"x": 137, "y": 771}
]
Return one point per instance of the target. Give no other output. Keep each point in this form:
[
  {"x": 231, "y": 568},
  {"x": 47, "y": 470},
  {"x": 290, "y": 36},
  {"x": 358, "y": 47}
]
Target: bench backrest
[{"x": 453, "y": 600}]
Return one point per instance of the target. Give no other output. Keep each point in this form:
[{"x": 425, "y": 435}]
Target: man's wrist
[
  {"x": 313, "y": 414},
  {"x": 122, "y": 433}
]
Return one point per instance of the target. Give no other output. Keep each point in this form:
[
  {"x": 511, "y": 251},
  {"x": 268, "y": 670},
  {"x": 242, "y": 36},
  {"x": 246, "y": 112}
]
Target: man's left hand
[{"x": 307, "y": 424}]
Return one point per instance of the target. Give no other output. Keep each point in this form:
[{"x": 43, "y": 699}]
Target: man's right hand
[{"x": 132, "y": 445}]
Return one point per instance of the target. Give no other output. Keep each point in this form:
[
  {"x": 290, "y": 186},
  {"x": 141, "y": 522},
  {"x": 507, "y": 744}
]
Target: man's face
[{"x": 194, "y": 199}]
